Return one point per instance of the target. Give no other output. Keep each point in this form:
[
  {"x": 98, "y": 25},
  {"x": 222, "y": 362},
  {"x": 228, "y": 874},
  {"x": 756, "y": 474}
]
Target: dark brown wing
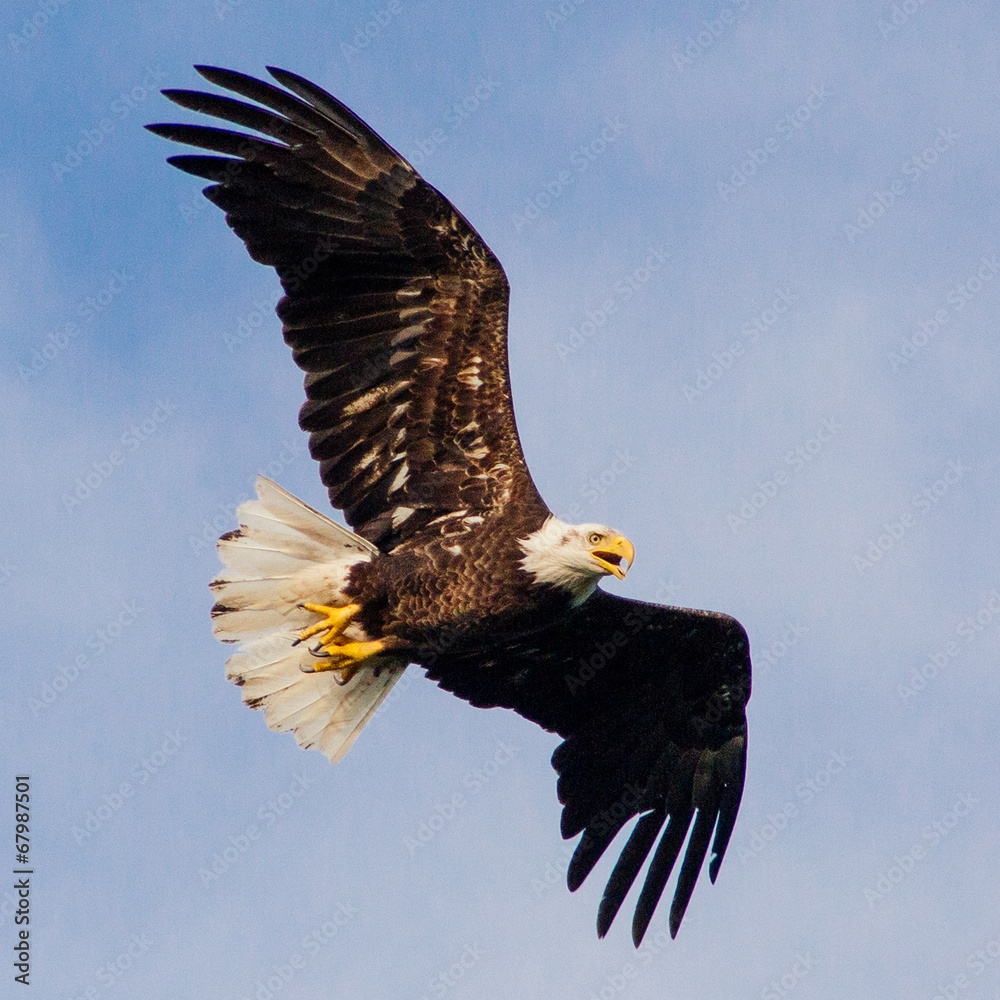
[
  {"x": 394, "y": 306},
  {"x": 650, "y": 701}
]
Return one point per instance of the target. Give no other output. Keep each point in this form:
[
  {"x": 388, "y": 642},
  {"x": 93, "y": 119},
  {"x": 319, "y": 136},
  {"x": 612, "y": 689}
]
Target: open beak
[{"x": 616, "y": 557}]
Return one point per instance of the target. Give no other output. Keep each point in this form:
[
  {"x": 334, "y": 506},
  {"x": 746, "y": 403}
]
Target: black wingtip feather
[
  {"x": 694, "y": 858},
  {"x": 627, "y": 868},
  {"x": 727, "y": 820},
  {"x": 713, "y": 867},
  {"x": 222, "y": 77},
  {"x": 659, "y": 871},
  {"x": 325, "y": 102},
  {"x": 734, "y": 764},
  {"x": 588, "y": 852},
  {"x": 211, "y": 168}
]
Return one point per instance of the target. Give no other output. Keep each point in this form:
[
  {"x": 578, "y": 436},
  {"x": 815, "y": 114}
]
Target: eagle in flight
[{"x": 396, "y": 310}]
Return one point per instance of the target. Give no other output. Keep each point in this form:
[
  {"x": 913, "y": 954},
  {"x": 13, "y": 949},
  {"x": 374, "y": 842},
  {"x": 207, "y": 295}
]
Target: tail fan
[{"x": 283, "y": 554}]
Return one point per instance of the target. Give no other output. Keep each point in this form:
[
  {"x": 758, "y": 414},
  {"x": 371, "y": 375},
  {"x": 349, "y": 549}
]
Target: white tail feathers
[{"x": 284, "y": 554}]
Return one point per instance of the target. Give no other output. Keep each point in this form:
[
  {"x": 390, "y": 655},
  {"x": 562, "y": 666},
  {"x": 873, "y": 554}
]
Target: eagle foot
[
  {"x": 336, "y": 620},
  {"x": 332, "y": 657}
]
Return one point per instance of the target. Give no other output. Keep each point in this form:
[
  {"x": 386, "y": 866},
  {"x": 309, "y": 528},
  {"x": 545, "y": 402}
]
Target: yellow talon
[
  {"x": 355, "y": 653},
  {"x": 336, "y": 620}
]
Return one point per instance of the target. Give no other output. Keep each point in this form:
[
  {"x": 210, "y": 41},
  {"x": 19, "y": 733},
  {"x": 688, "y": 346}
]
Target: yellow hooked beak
[{"x": 612, "y": 557}]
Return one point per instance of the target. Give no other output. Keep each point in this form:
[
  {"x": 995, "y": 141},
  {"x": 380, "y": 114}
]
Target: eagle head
[{"x": 575, "y": 556}]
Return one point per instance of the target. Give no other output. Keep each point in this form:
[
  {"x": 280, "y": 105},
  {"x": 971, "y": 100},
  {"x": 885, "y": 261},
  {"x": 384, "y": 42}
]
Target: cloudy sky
[{"x": 791, "y": 408}]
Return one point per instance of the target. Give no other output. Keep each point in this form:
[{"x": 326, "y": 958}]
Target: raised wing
[
  {"x": 650, "y": 701},
  {"x": 394, "y": 307}
]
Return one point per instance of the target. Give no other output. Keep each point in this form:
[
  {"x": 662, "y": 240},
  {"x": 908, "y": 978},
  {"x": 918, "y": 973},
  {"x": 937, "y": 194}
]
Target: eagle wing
[
  {"x": 395, "y": 307},
  {"x": 650, "y": 702}
]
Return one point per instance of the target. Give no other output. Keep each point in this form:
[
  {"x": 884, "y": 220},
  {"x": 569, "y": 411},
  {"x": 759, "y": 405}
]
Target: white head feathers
[{"x": 575, "y": 556}]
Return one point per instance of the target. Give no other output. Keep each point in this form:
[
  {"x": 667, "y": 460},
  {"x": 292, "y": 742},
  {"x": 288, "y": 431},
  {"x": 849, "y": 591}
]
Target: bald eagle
[{"x": 397, "y": 311}]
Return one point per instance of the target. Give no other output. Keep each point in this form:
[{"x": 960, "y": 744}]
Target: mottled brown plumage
[
  {"x": 454, "y": 588},
  {"x": 397, "y": 312}
]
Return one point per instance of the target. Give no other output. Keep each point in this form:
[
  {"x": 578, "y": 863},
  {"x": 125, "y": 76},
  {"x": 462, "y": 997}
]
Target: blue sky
[{"x": 790, "y": 406}]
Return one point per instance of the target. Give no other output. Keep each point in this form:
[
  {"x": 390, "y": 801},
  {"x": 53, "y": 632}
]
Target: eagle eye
[{"x": 594, "y": 538}]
